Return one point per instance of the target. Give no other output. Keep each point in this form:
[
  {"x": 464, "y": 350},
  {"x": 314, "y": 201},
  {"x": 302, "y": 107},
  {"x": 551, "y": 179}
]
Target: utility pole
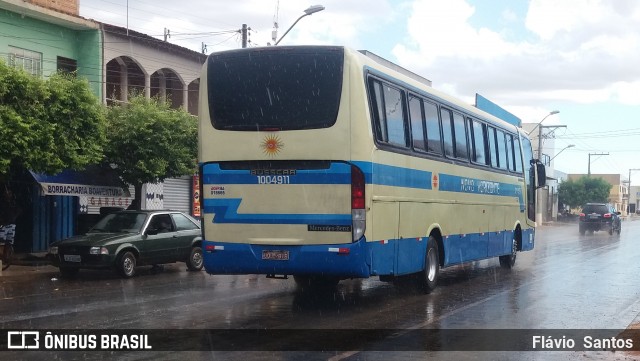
[
  {"x": 629, "y": 191},
  {"x": 589, "y": 167},
  {"x": 244, "y": 35},
  {"x": 540, "y": 135}
]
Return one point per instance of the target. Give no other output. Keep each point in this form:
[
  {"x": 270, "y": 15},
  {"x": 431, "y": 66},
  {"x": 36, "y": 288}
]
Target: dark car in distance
[
  {"x": 124, "y": 240},
  {"x": 599, "y": 217}
]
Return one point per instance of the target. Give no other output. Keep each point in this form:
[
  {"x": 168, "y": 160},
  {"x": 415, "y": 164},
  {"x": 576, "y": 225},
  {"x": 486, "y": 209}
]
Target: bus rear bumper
[{"x": 340, "y": 260}]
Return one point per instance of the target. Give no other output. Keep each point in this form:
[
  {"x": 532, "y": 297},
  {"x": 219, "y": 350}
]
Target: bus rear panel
[
  {"x": 286, "y": 201},
  {"x": 283, "y": 218}
]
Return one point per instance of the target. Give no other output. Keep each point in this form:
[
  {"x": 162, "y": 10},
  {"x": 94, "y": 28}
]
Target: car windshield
[
  {"x": 129, "y": 222},
  {"x": 595, "y": 208}
]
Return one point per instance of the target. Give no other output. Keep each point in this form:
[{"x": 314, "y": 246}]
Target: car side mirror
[
  {"x": 618, "y": 213},
  {"x": 151, "y": 231}
]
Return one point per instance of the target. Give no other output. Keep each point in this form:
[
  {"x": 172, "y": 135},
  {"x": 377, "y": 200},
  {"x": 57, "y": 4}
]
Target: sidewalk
[{"x": 30, "y": 259}]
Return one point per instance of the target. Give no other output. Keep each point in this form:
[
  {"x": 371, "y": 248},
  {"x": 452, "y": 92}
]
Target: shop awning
[{"x": 93, "y": 181}]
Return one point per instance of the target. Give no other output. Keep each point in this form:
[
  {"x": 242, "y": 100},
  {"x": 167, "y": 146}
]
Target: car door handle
[{"x": 175, "y": 236}]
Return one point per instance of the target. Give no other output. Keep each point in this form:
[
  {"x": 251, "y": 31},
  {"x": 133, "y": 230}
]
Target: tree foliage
[
  {"x": 45, "y": 126},
  {"x": 48, "y": 125},
  {"x": 147, "y": 141},
  {"x": 583, "y": 190}
]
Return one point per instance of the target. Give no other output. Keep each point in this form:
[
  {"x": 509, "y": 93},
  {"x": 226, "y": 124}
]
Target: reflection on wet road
[{"x": 567, "y": 282}]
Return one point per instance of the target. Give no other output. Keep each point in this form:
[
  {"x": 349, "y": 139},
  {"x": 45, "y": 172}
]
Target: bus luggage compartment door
[{"x": 277, "y": 202}]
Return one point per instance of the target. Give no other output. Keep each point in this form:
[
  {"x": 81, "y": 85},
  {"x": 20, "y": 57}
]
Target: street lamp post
[
  {"x": 557, "y": 154},
  {"x": 540, "y": 131},
  {"x": 310, "y": 10}
]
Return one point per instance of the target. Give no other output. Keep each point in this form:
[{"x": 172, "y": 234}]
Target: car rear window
[{"x": 595, "y": 208}]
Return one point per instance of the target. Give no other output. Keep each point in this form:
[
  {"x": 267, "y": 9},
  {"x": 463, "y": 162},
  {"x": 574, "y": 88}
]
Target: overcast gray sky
[{"x": 530, "y": 56}]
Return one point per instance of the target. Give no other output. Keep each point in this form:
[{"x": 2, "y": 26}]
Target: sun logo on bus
[{"x": 271, "y": 145}]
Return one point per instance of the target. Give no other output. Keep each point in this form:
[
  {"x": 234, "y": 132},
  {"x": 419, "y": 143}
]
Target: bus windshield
[{"x": 288, "y": 89}]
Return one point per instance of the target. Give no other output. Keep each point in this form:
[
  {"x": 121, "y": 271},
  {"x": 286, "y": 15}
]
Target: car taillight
[
  {"x": 607, "y": 215},
  {"x": 358, "y": 216},
  {"x": 581, "y": 215}
]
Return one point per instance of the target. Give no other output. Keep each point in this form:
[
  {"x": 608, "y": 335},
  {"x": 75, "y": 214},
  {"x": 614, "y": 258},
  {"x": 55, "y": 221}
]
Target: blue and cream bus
[{"x": 322, "y": 163}]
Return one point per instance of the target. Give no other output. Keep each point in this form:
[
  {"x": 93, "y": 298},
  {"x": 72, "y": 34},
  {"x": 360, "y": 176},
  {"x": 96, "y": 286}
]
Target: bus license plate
[
  {"x": 275, "y": 255},
  {"x": 72, "y": 258}
]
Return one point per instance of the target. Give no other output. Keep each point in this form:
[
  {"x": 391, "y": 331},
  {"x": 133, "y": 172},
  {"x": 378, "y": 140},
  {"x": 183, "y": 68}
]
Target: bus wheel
[
  {"x": 428, "y": 278},
  {"x": 508, "y": 261}
]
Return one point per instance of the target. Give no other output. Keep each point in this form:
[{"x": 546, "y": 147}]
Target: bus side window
[
  {"x": 417, "y": 124},
  {"x": 460, "y": 137},
  {"x": 395, "y": 117},
  {"x": 502, "y": 150},
  {"x": 493, "y": 147},
  {"x": 510, "y": 153},
  {"x": 378, "y": 110},
  {"x": 447, "y": 132},
  {"x": 434, "y": 141},
  {"x": 518, "y": 154},
  {"x": 478, "y": 141}
]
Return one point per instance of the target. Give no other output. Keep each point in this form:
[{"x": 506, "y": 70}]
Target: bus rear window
[{"x": 283, "y": 88}]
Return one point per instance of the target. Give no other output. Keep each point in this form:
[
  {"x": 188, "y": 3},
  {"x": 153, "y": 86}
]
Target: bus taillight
[
  {"x": 358, "y": 219},
  {"x": 357, "y": 188}
]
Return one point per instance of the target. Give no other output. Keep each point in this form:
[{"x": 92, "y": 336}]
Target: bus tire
[
  {"x": 428, "y": 278},
  {"x": 509, "y": 260}
]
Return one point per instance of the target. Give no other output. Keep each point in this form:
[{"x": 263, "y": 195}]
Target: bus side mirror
[{"x": 542, "y": 174}]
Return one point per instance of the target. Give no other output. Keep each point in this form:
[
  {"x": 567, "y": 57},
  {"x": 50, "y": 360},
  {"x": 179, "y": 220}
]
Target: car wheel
[
  {"x": 68, "y": 272},
  {"x": 508, "y": 261},
  {"x": 127, "y": 265},
  {"x": 195, "y": 261},
  {"x": 428, "y": 278}
]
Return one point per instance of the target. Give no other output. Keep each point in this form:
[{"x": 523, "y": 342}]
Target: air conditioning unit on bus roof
[{"x": 396, "y": 67}]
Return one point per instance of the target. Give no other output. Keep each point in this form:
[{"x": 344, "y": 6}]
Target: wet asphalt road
[{"x": 567, "y": 282}]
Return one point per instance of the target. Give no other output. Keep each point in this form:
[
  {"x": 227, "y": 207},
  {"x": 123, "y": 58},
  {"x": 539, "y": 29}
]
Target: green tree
[
  {"x": 48, "y": 125},
  {"x": 45, "y": 126},
  {"x": 147, "y": 141},
  {"x": 583, "y": 190}
]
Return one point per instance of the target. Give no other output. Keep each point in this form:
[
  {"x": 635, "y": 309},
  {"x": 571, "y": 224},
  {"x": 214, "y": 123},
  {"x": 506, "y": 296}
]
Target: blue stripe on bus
[
  {"x": 239, "y": 258},
  {"x": 338, "y": 173},
  {"x": 388, "y": 175},
  {"x": 364, "y": 259},
  {"x": 375, "y": 173},
  {"x": 452, "y": 183},
  {"x": 226, "y": 211}
]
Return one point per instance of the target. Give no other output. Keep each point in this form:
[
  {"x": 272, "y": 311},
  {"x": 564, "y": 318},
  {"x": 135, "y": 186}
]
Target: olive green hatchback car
[{"x": 126, "y": 239}]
